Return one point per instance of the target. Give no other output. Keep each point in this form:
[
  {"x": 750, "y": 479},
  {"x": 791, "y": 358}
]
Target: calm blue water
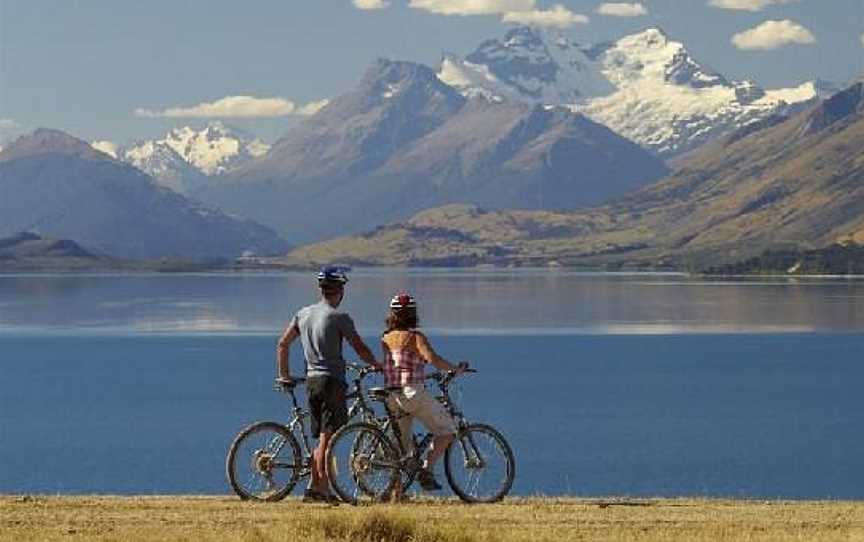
[{"x": 603, "y": 385}]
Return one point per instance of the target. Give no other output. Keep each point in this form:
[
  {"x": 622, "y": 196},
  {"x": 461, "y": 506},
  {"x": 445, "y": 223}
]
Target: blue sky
[{"x": 86, "y": 66}]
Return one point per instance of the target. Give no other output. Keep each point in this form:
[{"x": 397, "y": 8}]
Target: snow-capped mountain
[
  {"x": 215, "y": 149},
  {"x": 59, "y": 186},
  {"x": 159, "y": 160},
  {"x": 185, "y": 157},
  {"x": 645, "y": 86},
  {"x": 402, "y": 140}
]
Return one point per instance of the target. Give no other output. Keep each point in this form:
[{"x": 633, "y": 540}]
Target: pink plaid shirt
[{"x": 404, "y": 367}]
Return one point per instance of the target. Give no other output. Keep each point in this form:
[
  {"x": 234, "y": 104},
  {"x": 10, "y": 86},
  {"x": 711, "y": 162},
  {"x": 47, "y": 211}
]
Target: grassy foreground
[{"x": 224, "y": 518}]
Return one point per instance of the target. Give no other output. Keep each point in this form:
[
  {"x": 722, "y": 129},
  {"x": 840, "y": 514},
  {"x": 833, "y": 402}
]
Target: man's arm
[
  {"x": 283, "y": 368},
  {"x": 362, "y": 350}
]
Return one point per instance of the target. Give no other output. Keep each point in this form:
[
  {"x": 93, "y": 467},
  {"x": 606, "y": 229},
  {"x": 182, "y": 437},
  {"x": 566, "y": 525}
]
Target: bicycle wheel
[
  {"x": 479, "y": 464},
  {"x": 362, "y": 463},
  {"x": 264, "y": 462}
]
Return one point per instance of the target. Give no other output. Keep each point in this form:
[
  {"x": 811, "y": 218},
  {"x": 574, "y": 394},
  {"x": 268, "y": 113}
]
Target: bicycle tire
[
  {"x": 260, "y": 464},
  {"x": 348, "y": 465},
  {"x": 464, "y": 448}
]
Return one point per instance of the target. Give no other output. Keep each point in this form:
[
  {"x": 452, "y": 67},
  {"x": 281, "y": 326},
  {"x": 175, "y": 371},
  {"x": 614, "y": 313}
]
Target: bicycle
[
  {"x": 278, "y": 455},
  {"x": 367, "y": 459}
]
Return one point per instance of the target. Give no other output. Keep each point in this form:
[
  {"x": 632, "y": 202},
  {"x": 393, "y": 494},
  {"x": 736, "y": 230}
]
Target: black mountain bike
[
  {"x": 366, "y": 460},
  {"x": 267, "y": 459}
]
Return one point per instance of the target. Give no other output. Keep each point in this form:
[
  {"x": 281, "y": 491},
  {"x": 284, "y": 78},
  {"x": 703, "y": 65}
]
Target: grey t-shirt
[{"x": 322, "y": 329}]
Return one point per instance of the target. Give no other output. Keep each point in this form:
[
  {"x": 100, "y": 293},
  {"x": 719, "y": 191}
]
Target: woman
[{"x": 406, "y": 353}]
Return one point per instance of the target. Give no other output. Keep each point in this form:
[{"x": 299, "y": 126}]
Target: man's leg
[
  {"x": 320, "y": 483},
  {"x": 334, "y": 416},
  {"x": 316, "y": 389}
]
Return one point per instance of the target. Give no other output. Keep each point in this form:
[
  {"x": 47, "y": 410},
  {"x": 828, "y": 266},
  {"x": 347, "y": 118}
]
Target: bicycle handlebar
[
  {"x": 285, "y": 384},
  {"x": 362, "y": 370},
  {"x": 446, "y": 376}
]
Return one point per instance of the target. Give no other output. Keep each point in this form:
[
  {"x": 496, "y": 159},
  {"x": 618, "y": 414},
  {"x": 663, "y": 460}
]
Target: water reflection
[{"x": 452, "y": 302}]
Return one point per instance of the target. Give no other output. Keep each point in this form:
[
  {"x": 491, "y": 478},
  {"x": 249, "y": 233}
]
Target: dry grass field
[{"x": 25, "y": 518}]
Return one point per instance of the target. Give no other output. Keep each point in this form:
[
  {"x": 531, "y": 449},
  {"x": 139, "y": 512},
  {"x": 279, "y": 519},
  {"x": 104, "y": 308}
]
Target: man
[{"x": 321, "y": 329}]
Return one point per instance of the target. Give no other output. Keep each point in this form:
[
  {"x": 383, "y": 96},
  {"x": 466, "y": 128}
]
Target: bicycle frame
[
  {"x": 298, "y": 428},
  {"x": 364, "y": 451},
  {"x": 261, "y": 459},
  {"x": 410, "y": 462}
]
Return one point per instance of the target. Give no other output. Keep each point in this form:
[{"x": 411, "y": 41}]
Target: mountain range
[
  {"x": 403, "y": 141},
  {"x": 645, "y": 86},
  {"x": 431, "y": 162},
  {"x": 788, "y": 184},
  {"x": 59, "y": 186},
  {"x": 185, "y": 157}
]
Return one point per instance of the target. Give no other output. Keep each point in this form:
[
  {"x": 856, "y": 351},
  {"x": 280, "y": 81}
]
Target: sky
[{"x": 124, "y": 70}]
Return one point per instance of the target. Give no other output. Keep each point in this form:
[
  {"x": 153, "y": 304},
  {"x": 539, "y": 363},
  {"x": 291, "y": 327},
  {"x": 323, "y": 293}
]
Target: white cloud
[
  {"x": 235, "y": 106},
  {"x": 8, "y": 124},
  {"x": 371, "y": 4},
  {"x": 557, "y": 16},
  {"x": 622, "y": 9},
  {"x": 773, "y": 35},
  {"x": 473, "y": 7},
  {"x": 747, "y": 5},
  {"x": 511, "y": 11}
]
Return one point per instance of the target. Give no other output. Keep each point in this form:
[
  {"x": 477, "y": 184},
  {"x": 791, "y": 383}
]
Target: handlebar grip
[{"x": 282, "y": 383}]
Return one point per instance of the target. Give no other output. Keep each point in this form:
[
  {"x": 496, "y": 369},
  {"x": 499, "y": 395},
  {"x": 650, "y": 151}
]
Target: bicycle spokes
[
  {"x": 362, "y": 463},
  {"x": 479, "y": 465},
  {"x": 264, "y": 462}
]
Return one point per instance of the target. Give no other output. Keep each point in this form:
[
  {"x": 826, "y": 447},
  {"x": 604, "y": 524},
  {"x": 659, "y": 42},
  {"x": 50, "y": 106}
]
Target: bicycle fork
[{"x": 473, "y": 458}]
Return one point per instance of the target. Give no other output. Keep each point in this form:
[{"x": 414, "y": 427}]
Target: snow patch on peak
[
  {"x": 216, "y": 148},
  {"x": 165, "y": 165},
  {"x": 108, "y": 147},
  {"x": 257, "y": 148},
  {"x": 645, "y": 86},
  {"x": 390, "y": 91},
  {"x": 476, "y": 80},
  {"x": 185, "y": 156},
  {"x": 647, "y": 55}
]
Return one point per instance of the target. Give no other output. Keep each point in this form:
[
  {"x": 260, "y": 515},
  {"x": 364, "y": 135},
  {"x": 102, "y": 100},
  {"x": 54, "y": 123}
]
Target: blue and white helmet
[{"x": 332, "y": 275}]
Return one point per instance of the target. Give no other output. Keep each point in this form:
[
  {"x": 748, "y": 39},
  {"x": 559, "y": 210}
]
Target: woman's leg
[
  {"x": 439, "y": 446},
  {"x": 438, "y": 421}
]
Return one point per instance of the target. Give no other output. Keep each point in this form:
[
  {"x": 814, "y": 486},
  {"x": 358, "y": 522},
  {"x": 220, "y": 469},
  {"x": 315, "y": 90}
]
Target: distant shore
[
  {"x": 30, "y": 518},
  {"x": 181, "y": 267}
]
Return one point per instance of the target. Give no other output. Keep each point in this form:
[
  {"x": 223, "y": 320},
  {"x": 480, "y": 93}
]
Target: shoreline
[{"x": 480, "y": 270}]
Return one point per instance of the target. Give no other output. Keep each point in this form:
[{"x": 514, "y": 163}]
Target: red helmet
[{"x": 403, "y": 300}]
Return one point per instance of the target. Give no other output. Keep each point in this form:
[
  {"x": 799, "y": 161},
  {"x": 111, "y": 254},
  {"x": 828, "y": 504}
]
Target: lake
[{"x": 605, "y": 384}]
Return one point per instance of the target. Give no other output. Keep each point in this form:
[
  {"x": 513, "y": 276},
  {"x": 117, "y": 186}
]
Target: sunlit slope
[{"x": 792, "y": 184}]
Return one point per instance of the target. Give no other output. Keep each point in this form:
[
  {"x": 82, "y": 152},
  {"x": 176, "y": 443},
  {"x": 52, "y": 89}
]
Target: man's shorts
[{"x": 326, "y": 404}]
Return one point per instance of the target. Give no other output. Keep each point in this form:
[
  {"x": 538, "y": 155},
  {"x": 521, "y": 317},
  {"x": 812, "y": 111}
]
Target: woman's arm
[{"x": 428, "y": 353}]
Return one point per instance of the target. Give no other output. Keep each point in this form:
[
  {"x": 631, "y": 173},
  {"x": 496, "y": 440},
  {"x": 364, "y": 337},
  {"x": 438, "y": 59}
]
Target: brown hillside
[{"x": 796, "y": 184}]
